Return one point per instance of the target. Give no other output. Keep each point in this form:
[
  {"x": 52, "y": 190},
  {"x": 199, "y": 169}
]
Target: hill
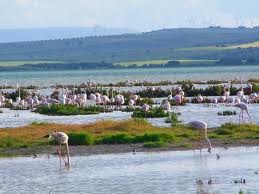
[
  {"x": 36, "y": 34},
  {"x": 164, "y": 44}
]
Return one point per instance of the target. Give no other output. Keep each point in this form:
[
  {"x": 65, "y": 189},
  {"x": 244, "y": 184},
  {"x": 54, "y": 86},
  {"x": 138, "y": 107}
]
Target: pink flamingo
[{"x": 61, "y": 138}]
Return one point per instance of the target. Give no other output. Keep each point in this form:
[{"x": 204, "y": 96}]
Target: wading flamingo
[
  {"x": 243, "y": 107},
  {"x": 61, "y": 138},
  {"x": 201, "y": 126}
]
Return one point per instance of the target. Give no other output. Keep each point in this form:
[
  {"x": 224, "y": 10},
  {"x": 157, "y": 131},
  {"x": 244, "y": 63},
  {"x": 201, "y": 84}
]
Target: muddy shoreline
[{"x": 120, "y": 148}]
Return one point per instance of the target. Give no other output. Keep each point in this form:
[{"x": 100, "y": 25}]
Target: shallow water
[
  {"x": 189, "y": 113},
  {"x": 166, "y": 172},
  {"x": 47, "y": 78}
]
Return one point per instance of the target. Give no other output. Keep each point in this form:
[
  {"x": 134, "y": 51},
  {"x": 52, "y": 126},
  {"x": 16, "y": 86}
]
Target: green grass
[
  {"x": 157, "y": 144},
  {"x": 156, "y": 112},
  {"x": 37, "y": 123},
  {"x": 18, "y": 63},
  {"x": 11, "y": 142},
  {"x": 80, "y": 139},
  {"x": 236, "y": 132},
  {"x": 133, "y": 131},
  {"x": 67, "y": 109},
  {"x": 123, "y": 138}
]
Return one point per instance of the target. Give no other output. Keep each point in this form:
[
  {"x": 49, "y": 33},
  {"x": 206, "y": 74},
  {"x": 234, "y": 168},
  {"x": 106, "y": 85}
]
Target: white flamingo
[
  {"x": 201, "y": 126},
  {"x": 62, "y": 139},
  {"x": 243, "y": 107},
  {"x": 200, "y": 98}
]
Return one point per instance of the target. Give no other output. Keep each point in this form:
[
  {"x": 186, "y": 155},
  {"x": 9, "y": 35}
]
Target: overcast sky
[{"x": 141, "y": 15}]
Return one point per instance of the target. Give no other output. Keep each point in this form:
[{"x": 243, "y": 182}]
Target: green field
[
  {"x": 159, "y": 62},
  {"x": 228, "y": 47},
  {"x": 18, "y": 63}
]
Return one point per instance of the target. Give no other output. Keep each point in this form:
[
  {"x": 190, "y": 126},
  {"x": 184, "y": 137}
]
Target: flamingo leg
[
  {"x": 250, "y": 118},
  {"x": 59, "y": 155},
  {"x": 199, "y": 139},
  {"x": 194, "y": 145},
  {"x": 243, "y": 116},
  {"x": 239, "y": 117},
  {"x": 68, "y": 156},
  {"x": 210, "y": 147}
]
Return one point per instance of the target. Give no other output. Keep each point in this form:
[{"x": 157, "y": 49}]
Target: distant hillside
[
  {"x": 34, "y": 34},
  {"x": 156, "y": 45}
]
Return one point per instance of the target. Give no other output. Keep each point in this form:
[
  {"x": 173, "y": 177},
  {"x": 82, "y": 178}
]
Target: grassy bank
[{"x": 134, "y": 131}]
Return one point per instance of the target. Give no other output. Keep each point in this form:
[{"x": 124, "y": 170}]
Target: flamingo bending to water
[
  {"x": 201, "y": 126},
  {"x": 61, "y": 138}
]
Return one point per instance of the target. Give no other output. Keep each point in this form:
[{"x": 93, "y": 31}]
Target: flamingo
[
  {"x": 214, "y": 100},
  {"x": 166, "y": 105},
  {"x": 200, "y": 98},
  {"x": 145, "y": 108},
  {"x": 92, "y": 97},
  {"x": 243, "y": 107},
  {"x": 61, "y": 138},
  {"x": 178, "y": 99},
  {"x": 131, "y": 102},
  {"x": 2, "y": 99},
  {"x": 230, "y": 100},
  {"x": 170, "y": 97},
  {"x": 135, "y": 97},
  {"x": 253, "y": 97},
  {"x": 240, "y": 93},
  {"x": 237, "y": 101},
  {"x": 221, "y": 99},
  {"x": 202, "y": 126}
]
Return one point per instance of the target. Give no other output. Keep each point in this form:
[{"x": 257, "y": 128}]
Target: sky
[{"x": 141, "y": 15}]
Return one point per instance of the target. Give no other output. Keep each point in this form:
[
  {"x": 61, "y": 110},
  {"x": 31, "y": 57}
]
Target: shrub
[
  {"x": 39, "y": 123},
  {"x": 156, "y": 112},
  {"x": 69, "y": 109},
  {"x": 227, "y": 113},
  {"x": 222, "y": 131},
  {"x": 80, "y": 139}
]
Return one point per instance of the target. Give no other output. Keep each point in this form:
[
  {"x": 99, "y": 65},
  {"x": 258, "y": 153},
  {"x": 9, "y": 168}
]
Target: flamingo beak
[{"x": 50, "y": 137}]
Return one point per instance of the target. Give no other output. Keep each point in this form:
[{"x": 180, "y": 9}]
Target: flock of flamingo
[{"x": 82, "y": 100}]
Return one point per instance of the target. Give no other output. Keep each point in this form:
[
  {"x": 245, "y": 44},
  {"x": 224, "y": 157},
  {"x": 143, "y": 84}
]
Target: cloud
[{"x": 135, "y": 14}]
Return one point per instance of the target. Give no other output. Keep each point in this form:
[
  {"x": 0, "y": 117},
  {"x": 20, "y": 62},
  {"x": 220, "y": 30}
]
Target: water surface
[
  {"x": 167, "y": 172},
  {"x": 47, "y": 78},
  {"x": 188, "y": 112}
]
